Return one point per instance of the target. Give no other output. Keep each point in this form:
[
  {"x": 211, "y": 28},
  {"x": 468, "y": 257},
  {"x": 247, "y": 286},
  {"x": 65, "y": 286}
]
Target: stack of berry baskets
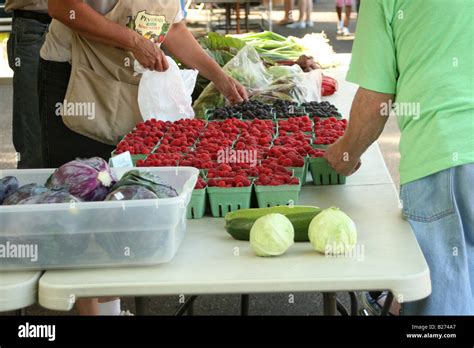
[
  {"x": 230, "y": 182},
  {"x": 229, "y": 194},
  {"x": 291, "y": 150},
  {"x": 255, "y": 139},
  {"x": 321, "y": 172},
  {"x": 236, "y": 154},
  {"x": 213, "y": 142},
  {"x": 179, "y": 139},
  {"x": 231, "y": 176},
  {"x": 296, "y": 133},
  {"x": 202, "y": 161},
  {"x": 143, "y": 140},
  {"x": 301, "y": 124},
  {"x": 160, "y": 160},
  {"x": 327, "y": 131},
  {"x": 276, "y": 186}
]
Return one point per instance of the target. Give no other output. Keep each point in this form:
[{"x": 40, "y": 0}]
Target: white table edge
[
  {"x": 26, "y": 294},
  {"x": 66, "y": 302}
]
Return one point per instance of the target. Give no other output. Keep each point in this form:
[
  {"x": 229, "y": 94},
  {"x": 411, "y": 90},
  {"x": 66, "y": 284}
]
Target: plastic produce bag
[
  {"x": 166, "y": 95},
  {"x": 279, "y": 71},
  {"x": 294, "y": 85},
  {"x": 313, "y": 81},
  {"x": 247, "y": 68}
]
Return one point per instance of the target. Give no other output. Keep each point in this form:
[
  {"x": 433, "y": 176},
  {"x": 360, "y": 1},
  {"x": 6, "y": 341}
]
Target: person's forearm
[
  {"x": 83, "y": 19},
  {"x": 366, "y": 120},
  {"x": 182, "y": 45}
]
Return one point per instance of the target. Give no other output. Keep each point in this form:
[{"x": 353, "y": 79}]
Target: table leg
[
  {"x": 354, "y": 304},
  {"x": 247, "y": 13},
  {"x": 387, "y": 304},
  {"x": 237, "y": 16},
  {"x": 190, "y": 311},
  {"x": 20, "y": 312},
  {"x": 270, "y": 10},
  {"x": 244, "y": 305},
  {"x": 227, "y": 18},
  {"x": 341, "y": 308},
  {"x": 209, "y": 19},
  {"x": 141, "y": 307},
  {"x": 186, "y": 307},
  {"x": 329, "y": 303}
]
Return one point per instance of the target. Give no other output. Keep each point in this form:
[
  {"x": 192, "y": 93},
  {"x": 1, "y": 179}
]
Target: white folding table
[
  {"x": 238, "y": 5},
  {"x": 18, "y": 290},
  {"x": 211, "y": 262}
]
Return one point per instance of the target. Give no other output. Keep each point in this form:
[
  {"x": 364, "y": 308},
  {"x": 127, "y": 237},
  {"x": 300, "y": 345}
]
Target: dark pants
[
  {"x": 24, "y": 44},
  {"x": 60, "y": 144}
]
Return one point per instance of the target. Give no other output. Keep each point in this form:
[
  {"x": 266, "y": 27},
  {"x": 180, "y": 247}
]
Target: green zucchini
[{"x": 239, "y": 223}]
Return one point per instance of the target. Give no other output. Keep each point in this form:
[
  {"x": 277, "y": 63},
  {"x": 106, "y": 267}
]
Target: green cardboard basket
[
  {"x": 197, "y": 205},
  {"x": 300, "y": 172},
  {"x": 135, "y": 158},
  {"x": 223, "y": 200},
  {"x": 319, "y": 146},
  {"x": 323, "y": 174},
  {"x": 323, "y": 117},
  {"x": 270, "y": 196}
]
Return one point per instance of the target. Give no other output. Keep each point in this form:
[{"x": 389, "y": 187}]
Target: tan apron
[
  {"x": 102, "y": 76},
  {"x": 26, "y": 5}
]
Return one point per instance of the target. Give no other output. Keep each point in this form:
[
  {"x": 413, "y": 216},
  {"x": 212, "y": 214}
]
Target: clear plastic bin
[{"x": 94, "y": 234}]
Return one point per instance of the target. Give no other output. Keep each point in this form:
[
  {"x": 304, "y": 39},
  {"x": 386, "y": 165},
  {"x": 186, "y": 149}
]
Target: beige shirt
[
  {"x": 57, "y": 46},
  {"x": 29, "y": 5}
]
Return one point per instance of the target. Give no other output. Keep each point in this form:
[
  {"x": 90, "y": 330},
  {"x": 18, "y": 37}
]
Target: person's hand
[
  {"x": 341, "y": 159},
  {"x": 232, "y": 90},
  {"x": 149, "y": 55}
]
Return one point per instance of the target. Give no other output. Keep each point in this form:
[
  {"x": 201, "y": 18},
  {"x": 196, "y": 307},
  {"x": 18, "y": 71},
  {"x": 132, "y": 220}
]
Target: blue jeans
[
  {"x": 24, "y": 45},
  {"x": 440, "y": 210}
]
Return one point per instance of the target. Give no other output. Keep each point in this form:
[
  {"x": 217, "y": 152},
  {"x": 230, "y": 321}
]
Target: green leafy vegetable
[
  {"x": 273, "y": 46},
  {"x": 278, "y": 71},
  {"x": 148, "y": 180},
  {"x": 332, "y": 232},
  {"x": 272, "y": 235}
]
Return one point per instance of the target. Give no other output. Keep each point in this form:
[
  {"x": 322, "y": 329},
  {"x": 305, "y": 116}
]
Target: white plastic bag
[
  {"x": 166, "y": 95},
  {"x": 312, "y": 82}
]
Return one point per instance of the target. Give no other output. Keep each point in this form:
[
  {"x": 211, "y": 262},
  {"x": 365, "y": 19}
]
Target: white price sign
[{"x": 124, "y": 160}]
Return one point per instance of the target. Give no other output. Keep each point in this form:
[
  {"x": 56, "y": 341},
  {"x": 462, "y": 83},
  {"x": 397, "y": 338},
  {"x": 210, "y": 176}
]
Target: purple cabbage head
[
  {"x": 24, "y": 192},
  {"x": 8, "y": 185},
  {"x": 50, "y": 197},
  {"x": 88, "y": 179}
]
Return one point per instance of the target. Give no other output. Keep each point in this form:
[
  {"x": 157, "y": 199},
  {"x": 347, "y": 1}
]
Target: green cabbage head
[
  {"x": 332, "y": 232},
  {"x": 272, "y": 235}
]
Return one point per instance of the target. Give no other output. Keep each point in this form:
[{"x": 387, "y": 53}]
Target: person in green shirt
[{"x": 417, "y": 62}]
